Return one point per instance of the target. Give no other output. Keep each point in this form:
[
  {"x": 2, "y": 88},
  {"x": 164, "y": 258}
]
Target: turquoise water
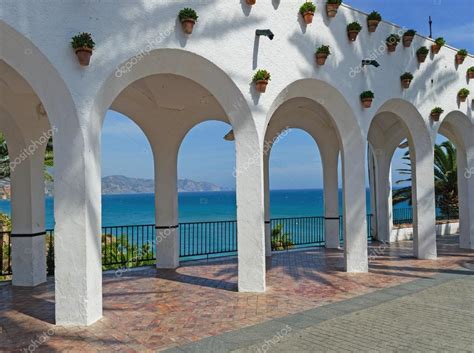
[{"x": 201, "y": 206}]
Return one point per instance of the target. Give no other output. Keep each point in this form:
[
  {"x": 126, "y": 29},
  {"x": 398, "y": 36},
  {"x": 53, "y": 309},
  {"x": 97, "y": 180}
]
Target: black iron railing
[
  {"x": 296, "y": 232},
  {"x": 402, "y": 216}
]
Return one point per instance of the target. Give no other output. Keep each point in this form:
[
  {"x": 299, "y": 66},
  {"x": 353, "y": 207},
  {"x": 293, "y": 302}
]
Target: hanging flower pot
[
  {"x": 251, "y": 2},
  {"x": 439, "y": 42},
  {"x": 436, "y": 113},
  {"x": 83, "y": 46},
  {"x": 373, "y": 20},
  {"x": 332, "y": 6},
  {"x": 406, "y": 79},
  {"x": 408, "y": 37},
  {"x": 353, "y": 30},
  {"x": 322, "y": 54},
  {"x": 392, "y": 42},
  {"x": 261, "y": 79},
  {"x": 421, "y": 54},
  {"x": 462, "y": 94},
  {"x": 307, "y": 10},
  {"x": 470, "y": 73},
  {"x": 460, "y": 56},
  {"x": 366, "y": 98},
  {"x": 188, "y": 18}
]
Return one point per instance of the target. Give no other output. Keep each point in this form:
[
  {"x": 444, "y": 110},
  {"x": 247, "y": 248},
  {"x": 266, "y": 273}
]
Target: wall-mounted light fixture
[
  {"x": 264, "y": 32},
  {"x": 370, "y": 62}
]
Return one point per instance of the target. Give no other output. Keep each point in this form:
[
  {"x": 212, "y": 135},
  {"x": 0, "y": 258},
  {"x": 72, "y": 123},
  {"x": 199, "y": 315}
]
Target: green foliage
[
  {"x": 374, "y": 16},
  {"x": 188, "y": 13},
  {"x": 393, "y": 38},
  {"x": 50, "y": 254},
  {"x": 463, "y": 92},
  {"x": 119, "y": 253},
  {"x": 406, "y": 76},
  {"x": 261, "y": 75},
  {"x": 354, "y": 26},
  {"x": 410, "y": 33},
  {"x": 471, "y": 69},
  {"x": 336, "y": 2},
  {"x": 83, "y": 40},
  {"x": 280, "y": 240},
  {"x": 367, "y": 94},
  {"x": 5, "y": 222},
  {"x": 437, "y": 110},
  {"x": 462, "y": 52},
  {"x": 440, "y": 41},
  {"x": 307, "y": 7},
  {"x": 323, "y": 49},
  {"x": 423, "y": 51}
]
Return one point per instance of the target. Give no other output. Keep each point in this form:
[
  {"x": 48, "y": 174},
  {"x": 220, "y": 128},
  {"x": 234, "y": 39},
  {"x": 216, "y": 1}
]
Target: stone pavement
[{"x": 426, "y": 315}]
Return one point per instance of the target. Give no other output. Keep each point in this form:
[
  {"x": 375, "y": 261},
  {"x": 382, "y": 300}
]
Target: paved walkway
[{"x": 426, "y": 315}]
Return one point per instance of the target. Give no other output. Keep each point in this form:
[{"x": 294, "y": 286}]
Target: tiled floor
[{"x": 150, "y": 310}]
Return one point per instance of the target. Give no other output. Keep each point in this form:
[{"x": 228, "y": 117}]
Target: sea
[{"x": 138, "y": 209}]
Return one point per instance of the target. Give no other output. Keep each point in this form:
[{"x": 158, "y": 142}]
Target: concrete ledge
[{"x": 406, "y": 233}]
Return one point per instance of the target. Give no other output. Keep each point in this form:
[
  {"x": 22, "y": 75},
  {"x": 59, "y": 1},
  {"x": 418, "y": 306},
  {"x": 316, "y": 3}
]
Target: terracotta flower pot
[
  {"x": 435, "y": 116},
  {"x": 367, "y": 102},
  {"x": 331, "y": 9},
  {"x": 321, "y": 59},
  {"x": 421, "y": 57},
  {"x": 188, "y": 25},
  {"x": 261, "y": 85},
  {"x": 391, "y": 47},
  {"x": 407, "y": 40},
  {"x": 84, "y": 55},
  {"x": 251, "y": 2},
  {"x": 460, "y": 59},
  {"x": 435, "y": 48},
  {"x": 352, "y": 35},
  {"x": 470, "y": 75},
  {"x": 372, "y": 24},
  {"x": 462, "y": 99},
  {"x": 308, "y": 17},
  {"x": 406, "y": 83}
]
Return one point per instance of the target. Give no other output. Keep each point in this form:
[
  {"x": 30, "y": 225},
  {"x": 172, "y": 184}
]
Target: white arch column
[
  {"x": 266, "y": 183},
  {"x": 466, "y": 196},
  {"x": 330, "y": 160}
]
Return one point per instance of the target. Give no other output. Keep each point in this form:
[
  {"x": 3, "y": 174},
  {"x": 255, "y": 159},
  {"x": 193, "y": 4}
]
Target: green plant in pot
[
  {"x": 460, "y": 56},
  {"x": 353, "y": 30},
  {"x": 392, "y": 42},
  {"x": 307, "y": 10},
  {"x": 406, "y": 79},
  {"x": 332, "y": 6},
  {"x": 261, "y": 79},
  {"x": 436, "y": 113},
  {"x": 366, "y": 98},
  {"x": 470, "y": 73},
  {"x": 322, "y": 54},
  {"x": 188, "y": 18},
  {"x": 83, "y": 46},
  {"x": 373, "y": 20},
  {"x": 251, "y": 2},
  {"x": 408, "y": 37},
  {"x": 436, "y": 47},
  {"x": 421, "y": 54},
  {"x": 462, "y": 94}
]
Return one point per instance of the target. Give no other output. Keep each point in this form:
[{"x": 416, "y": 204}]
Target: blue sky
[{"x": 295, "y": 162}]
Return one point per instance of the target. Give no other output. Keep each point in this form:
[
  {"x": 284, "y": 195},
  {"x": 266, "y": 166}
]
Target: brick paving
[{"x": 150, "y": 310}]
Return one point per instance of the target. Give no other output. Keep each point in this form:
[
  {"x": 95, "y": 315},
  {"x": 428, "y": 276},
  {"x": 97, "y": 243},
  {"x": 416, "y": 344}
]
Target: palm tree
[{"x": 446, "y": 174}]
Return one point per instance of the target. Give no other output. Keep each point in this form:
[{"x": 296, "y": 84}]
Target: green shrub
[
  {"x": 367, "y": 94},
  {"x": 188, "y": 13},
  {"x": 463, "y": 92},
  {"x": 423, "y": 50},
  {"x": 374, "y": 16},
  {"x": 307, "y": 7},
  {"x": 410, "y": 33},
  {"x": 5, "y": 222},
  {"x": 280, "y": 240},
  {"x": 462, "y": 52},
  {"x": 323, "y": 49},
  {"x": 354, "y": 26},
  {"x": 471, "y": 69},
  {"x": 406, "y": 76},
  {"x": 261, "y": 75},
  {"x": 437, "y": 110},
  {"x": 83, "y": 40},
  {"x": 393, "y": 38},
  {"x": 440, "y": 41}
]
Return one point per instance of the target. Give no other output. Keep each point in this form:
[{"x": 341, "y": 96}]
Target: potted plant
[
  {"x": 421, "y": 54},
  {"x": 373, "y": 20},
  {"x": 470, "y": 72},
  {"x": 436, "y": 113},
  {"x": 408, "y": 37},
  {"x": 353, "y": 30},
  {"x": 83, "y": 46},
  {"x": 462, "y": 94},
  {"x": 322, "y": 54},
  {"x": 188, "y": 18},
  {"x": 366, "y": 98},
  {"x": 406, "y": 79},
  {"x": 261, "y": 79},
  {"x": 307, "y": 10},
  {"x": 460, "y": 56},
  {"x": 251, "y": 2},
  {"x": 439, "y": 42},
  {"x": 332, "y": 6},
  {"x": 392, "y": 42}
]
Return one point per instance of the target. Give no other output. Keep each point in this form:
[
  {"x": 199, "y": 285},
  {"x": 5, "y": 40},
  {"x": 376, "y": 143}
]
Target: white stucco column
[
  {"x": 355, "y": 211},
  {"x": 77, "y": 211},
  {"x": 330, "y": 158},
  {"x": 166, "y": 206},
  {"x": 268, "y": 227},
  {"x": 466, "y": 196},
  {"x": 382, "y": 208},
  {"x": 423, "y": 194},
  {"x": 27, "y": 202}
]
